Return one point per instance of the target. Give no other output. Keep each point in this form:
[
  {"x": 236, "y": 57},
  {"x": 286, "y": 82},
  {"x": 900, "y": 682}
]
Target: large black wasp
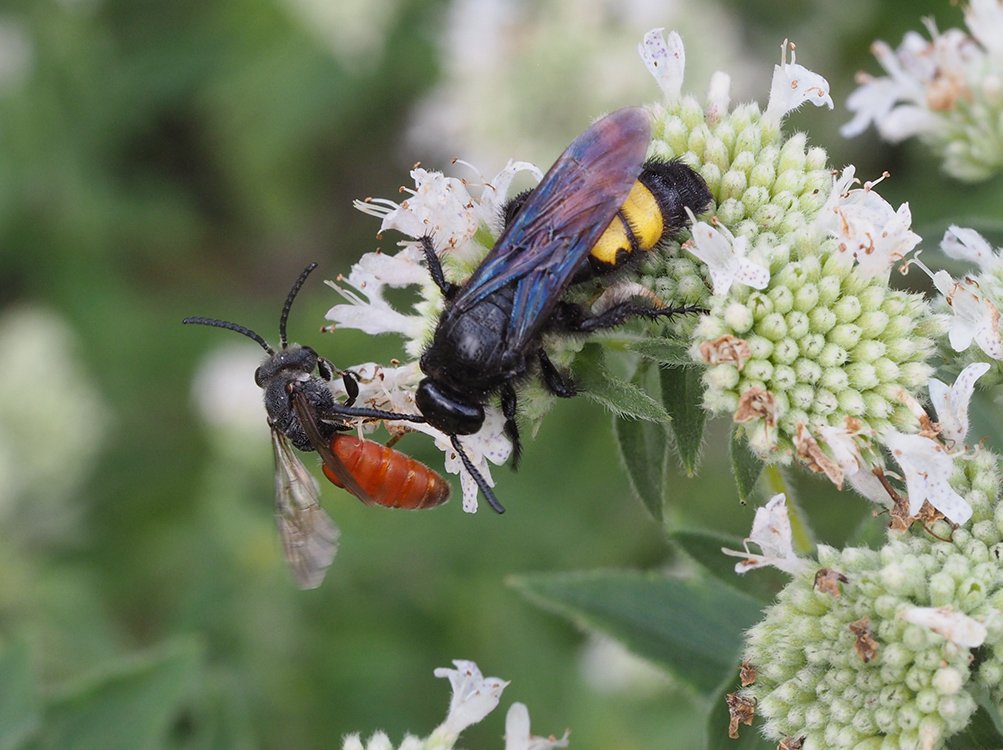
[{"x": 489, "y": 334}]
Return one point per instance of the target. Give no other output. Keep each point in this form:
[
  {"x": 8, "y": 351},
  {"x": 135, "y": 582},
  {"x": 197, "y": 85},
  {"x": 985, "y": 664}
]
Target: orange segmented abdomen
[{"x": 390, "y": 478}]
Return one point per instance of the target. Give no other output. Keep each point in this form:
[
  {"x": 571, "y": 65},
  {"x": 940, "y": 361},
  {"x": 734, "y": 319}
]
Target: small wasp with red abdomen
[{"x": 302, "y": 413}]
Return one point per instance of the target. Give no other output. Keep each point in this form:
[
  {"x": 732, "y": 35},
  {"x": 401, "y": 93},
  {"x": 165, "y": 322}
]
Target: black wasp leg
[
  {"x": 622, "y": 312},
  {"x": 447, "y": 288},
  {"x": 351, "y": 383},
  {"x": 556, "y": 383},
  {"x": 508, "y": 404},
  {"x": 367, "y": 413}
]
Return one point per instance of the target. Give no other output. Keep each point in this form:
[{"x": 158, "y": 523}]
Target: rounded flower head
[
  {"x": 947, "y": 90},
  {"x": 877, "y": 646},
  {"x": 802, "y": 331}
]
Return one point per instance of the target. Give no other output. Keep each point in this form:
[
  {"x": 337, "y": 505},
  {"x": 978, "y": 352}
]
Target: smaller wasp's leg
[
  {"x": 623, "y": 312},
  {"x": 556, "y": 382},
  {"x": 326, "y": 369},
  {"x": 482, "y": 483},
  {"x": 447, "y": 288},
  {"x": 508, "y": 404},
  {"x": 351, "y": 382},
  {"x": 367, "y": 413}
]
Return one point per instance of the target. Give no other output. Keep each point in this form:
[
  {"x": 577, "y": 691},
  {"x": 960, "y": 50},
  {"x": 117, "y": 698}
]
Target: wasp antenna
[
  {"x": 482, "y": 483},
  {"x": 230, "y": 327},
  {"x": 297, "y": 285}
]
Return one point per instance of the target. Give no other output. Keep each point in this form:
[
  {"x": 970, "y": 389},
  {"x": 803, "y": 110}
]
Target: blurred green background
[{"x": 164, "y": 159}]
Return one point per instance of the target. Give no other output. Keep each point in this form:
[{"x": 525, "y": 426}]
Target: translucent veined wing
[{"x": 309, "y": 536}]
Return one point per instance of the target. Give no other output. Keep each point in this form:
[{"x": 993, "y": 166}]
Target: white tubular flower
[
  {"x": 846, "y": 453},
  {"x": 724, "y": 255},
  {"x": 956, "y": 627},
  {"x": 975, "y": 317},
  {"x": 666, "y": 60},
  {"x": 771, "y": 532},
  {"x": 474, "y": 697},
  {"x": 952, "y": 402},
  {"x": 367, "y": 309},
  {"x": 793, "y": 85},
  {"x": 928, "y": 467},
  {"x": 866, "y": 227},
  {"x": 443, "y": 208},
  {"x": 517, "y": 736},
  {"x": 962, "y": 243}
]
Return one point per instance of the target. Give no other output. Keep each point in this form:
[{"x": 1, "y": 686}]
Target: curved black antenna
[
  {"x": 482, "y": 483},
  {"x": 289, "y": 303},
  {"x": 230, "y": 327}
]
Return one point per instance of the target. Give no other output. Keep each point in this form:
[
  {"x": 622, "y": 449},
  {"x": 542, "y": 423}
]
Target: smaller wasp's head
[
  {"x": 293, "y": 359},
  {"x": 446, "y": 410}
]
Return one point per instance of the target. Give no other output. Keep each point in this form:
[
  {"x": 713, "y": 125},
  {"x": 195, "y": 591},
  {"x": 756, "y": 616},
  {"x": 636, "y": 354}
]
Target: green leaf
[
  {"x": 692, "y": 628},
  {"x": 663, "y": 351},
  {"x": 984, "y": 731},
  {"x": 644, "y": 452},
  {"x": 682, "y": 394},
  {"x": 704, "y": 547},
  {"x": 718, "y": 718},
  {"x": 616, "y": 394},
  {"x": 128, "y": 705},
  {"x": 745, "y": 465},
  {"x": 20, "y": 713}
]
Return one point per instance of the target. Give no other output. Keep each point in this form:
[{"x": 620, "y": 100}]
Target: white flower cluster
[
  {"x": 474, "y": 697},
  {"x": 947, "y": 90}
]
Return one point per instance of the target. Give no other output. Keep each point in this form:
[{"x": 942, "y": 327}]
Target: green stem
[{"x": 801, "y": 535}]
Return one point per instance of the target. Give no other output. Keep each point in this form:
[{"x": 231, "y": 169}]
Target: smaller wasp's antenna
[
  {"x": 297, "y": 285},
  {"x": 230, "y": 327},
  {"x": 482, "y": 483}
]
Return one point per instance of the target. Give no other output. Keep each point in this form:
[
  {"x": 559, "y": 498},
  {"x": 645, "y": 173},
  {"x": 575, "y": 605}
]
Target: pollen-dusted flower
[
  {"x": 975, "y": 317},
  {"x": 974, "y": 301},
  {"x": 724, "y": 256},
  {"x": 928, "y": 468},
  {"x": 945, "y": 90},
  {"x": 793, "y": 85},
  {"x": 474, "y": 696},
  {"x": 771, "y": 532},
  {"x": 866, "y": 227},
  {"x": 951, "y": 402}
]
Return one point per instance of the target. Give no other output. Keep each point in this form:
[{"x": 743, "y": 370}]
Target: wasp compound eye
[{"x": 446, "y": 412}]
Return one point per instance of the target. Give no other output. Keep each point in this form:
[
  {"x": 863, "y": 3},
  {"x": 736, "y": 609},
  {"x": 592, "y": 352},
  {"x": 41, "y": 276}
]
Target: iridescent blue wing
[{"x": 551, "y": 236}]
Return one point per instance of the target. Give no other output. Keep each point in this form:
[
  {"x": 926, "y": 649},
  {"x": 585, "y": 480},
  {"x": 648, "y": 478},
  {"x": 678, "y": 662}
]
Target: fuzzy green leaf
[
  {"x": 704, "y": 547},
  {"x": 20, "y": 713},
  {"x": 663, "y": 351},
  {"x": 984, "y": 731},
  {"x": 621, "y": 397},
  {"x": 691, "y": 628},
  {"x": 717, "y": 723},
  {"x": 682, "y": 394},
  {"x": 745, "y": 465},
  {"x": 644, "y": 452},
  {"x": 127, "y": 706}
]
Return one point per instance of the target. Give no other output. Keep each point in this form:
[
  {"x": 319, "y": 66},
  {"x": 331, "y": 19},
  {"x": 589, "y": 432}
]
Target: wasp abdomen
[
  {"x": 390, "y": 478},
  {"x": 654, "y": 210}
]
